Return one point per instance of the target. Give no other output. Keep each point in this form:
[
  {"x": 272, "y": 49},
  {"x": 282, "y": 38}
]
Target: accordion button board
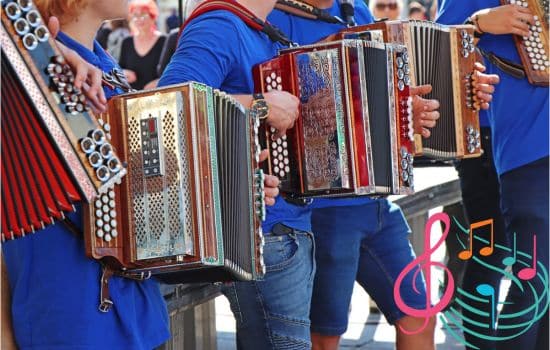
[
  {"x": 47, "y": 129},
  {"x": 533, "y": 49}
]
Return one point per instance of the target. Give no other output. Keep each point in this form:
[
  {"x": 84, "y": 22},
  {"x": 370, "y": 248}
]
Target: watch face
[{"x": 261, "y": 108}]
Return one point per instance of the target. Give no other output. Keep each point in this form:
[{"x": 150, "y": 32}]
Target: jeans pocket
[{"x": 279, "y": 251}]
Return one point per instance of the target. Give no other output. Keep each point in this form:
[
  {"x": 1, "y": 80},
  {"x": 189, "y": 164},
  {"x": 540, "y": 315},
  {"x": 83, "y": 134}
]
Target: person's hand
[
  {"x": 507, "y": 19},
  {"x": 87, "y": 78},
  {"x": 131, "y": 76},
  {"x": 484, "y": 84},
  {"x": 283, "y": 111},
  {"x": 425, "y": 112},
  {"x": 271, "y": 183}
]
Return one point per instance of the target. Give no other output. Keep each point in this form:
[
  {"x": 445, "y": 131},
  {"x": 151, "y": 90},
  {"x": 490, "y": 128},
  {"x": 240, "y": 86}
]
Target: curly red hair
[
  {"x": 64, "y": 10},
  {"x": 148, "y": 6}
]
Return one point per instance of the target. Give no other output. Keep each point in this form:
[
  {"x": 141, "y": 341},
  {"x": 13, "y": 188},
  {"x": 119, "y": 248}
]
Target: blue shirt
[
  {"x": 306, "y": 31},
  {"x": 219, "y": 49},
  {"x": 519, "y": 112},
  {"x": 55, "y": 287}
]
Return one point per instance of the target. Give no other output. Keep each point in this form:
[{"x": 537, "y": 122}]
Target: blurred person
[
  {"x": 417, "y": 11},
  {"x": 140, "y": 52},
  {"x": 390, "y": 9},
  {"x": 172, "y": 21},
  {"x": 119, "y": 32}
]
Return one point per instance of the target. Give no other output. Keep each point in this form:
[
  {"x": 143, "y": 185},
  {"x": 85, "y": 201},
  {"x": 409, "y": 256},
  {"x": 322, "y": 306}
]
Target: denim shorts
[
  {"x": 367, "y": 243},
  {"x": 273, "y": 313}
]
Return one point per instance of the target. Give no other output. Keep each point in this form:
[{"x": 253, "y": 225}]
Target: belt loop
[{"x": 105, "y": 303}]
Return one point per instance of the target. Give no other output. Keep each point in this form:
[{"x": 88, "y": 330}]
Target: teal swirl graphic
[{"x": 452, "y": 319}]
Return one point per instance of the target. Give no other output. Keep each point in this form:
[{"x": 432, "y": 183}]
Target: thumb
[
  {"x": 421, "y": 90},
  {"x": 263, "y": 155},
  {"x": 53, "y": 26}
]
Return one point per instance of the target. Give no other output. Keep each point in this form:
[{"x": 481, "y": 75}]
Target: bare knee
[
  {"x": 325, "y": 342},
  {"x": 423, "y": 333}
]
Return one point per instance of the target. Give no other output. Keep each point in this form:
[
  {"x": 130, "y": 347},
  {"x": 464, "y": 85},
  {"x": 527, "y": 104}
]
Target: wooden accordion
[
  {"x": 533, "y": 49},
  {"x": 442, "y": 56},
  {"x": 192, "y": 201},
  {"x": 54, "y": 152},
  {"x": 354, "y": 133}
]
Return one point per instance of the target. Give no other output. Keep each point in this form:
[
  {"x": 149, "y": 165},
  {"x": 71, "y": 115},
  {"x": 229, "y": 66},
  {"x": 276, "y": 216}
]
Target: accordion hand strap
[{"x": 244, "y": 14}]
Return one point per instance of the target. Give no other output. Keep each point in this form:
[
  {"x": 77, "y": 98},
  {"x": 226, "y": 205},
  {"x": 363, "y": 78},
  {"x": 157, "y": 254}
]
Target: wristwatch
[
  {"x": 259, "y": 106},
  {"x": 473, "y": 20}
]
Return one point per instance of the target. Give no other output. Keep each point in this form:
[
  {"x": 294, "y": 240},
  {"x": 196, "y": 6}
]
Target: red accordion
[
  {"x": 354, "y": 135},
  {"x": 54, "y": 152}
]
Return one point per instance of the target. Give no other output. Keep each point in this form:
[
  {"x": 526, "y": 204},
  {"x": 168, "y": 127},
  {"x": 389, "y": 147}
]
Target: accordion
[
  {"x": 354, "y": 133},
  {"x": 55, "y": 153},
  {"x": 533, "y": 49},
  {"x": 192, "y": 201},
  {"x": 442, "y": 56}
]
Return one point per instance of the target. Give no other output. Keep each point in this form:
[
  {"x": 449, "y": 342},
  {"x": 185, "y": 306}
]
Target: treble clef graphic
[{"x": 423, "y": 263}]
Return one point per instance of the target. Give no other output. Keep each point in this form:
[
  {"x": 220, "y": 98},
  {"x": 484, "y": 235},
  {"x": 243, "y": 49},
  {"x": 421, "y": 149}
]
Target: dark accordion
[
  {"x": 55, "y": 154},
  {"x": 444, "y": 57},
  {"x": 533, "y": 49},
  {"x": 192, "y": 201},
  {"x": 354, "y": 133}
]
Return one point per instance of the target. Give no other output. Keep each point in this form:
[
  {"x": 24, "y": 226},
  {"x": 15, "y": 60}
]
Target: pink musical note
[
  {"x": 424, "y": 263},
  {"x": 529, "y": 272},
  {"x": 485, "y": 251}
]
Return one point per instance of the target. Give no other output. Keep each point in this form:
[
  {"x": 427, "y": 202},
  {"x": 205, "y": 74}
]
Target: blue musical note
[{"x": 487, "y": 290}]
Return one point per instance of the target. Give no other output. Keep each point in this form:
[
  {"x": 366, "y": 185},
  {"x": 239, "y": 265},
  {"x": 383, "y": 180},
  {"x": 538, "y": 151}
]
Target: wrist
[{"x": 474, "y": 20}]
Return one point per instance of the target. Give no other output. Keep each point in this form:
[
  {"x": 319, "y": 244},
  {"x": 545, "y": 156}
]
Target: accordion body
[
  {"x": 533, "y": 49},
  {"x": 192, "y": 200},
  {"x": 354, "y": 133},
  {"x": 55, "y": 153},
  {"x": 442, "y": 56}
]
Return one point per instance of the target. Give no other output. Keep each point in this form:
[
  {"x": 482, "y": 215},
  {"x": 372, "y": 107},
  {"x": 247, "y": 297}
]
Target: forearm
[{"x": 8, "y": 340}]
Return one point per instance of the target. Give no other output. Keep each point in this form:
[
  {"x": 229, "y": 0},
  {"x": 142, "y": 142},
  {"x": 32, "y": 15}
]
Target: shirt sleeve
[
  {"x": 456, "y": 11},
  {"x": 206, "y": 52}
]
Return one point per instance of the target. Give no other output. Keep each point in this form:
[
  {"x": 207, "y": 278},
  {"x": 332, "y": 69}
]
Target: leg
[
  {"x": 481, "y": 198},
  {"x": 524, "y": 193},
  {"x": 384, "y": 254},
  {"x": 273, "y": 313},
  {"x": 338, "y": 234}
]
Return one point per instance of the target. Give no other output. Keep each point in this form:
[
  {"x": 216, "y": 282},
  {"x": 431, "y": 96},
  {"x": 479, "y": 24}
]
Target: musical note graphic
[
  {"x": 511, "y": 260},
  {"x": 485, "y": 251},
  {"x": 424, "y": 263},
  {"x": 487, "y": 290},
  {"x": 529, "y": 272}
]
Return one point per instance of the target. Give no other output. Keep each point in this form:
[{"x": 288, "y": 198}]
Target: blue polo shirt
[
  {"x": 55, "y": 287},
  {"x": 519, "y": 112},
  {"x": 305, "y": 31},
  {"x": 219, "y": 49}
]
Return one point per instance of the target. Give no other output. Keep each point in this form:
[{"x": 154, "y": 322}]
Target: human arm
[{"x": 87, "y": 77}]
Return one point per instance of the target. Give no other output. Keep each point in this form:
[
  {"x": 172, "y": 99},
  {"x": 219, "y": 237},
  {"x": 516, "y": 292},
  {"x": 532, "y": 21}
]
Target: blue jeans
[
  {"x": 365, "y": 243},
  {"x": 274, "y": 313},
  {"x": 524, "y": 203}
]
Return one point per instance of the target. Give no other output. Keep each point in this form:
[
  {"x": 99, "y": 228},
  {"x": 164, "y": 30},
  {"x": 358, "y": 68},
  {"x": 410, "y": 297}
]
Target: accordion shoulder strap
[{"x": 244, "y": 14}]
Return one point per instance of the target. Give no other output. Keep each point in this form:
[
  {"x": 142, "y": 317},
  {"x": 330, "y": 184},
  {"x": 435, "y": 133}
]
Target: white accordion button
[{"x": 99, "y": 233}]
